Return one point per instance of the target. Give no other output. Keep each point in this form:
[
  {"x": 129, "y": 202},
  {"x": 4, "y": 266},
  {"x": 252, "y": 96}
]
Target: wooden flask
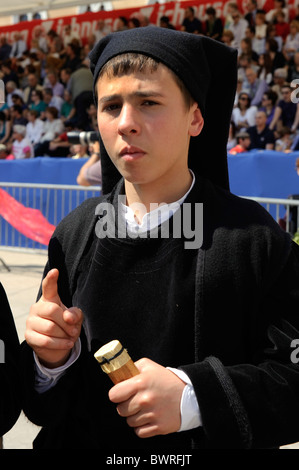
[{"x": 116, "y": 362}]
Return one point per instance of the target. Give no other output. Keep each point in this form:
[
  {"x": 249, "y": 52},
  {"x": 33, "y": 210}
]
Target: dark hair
[
  {"x": 211, "y": 11},
  {"x": 248, "y": 101},
  {"x": 272, "y": 95},
  {"x": 126, "y": 63},
  {"x": 52, "y": 110}
]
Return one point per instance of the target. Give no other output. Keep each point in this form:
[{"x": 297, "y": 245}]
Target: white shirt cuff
[
  {"x": 46, "y": 378},
  {"x": 190, "y": 412}
]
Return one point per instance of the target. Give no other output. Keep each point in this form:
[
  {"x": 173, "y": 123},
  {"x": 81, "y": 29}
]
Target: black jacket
[{"x": 245, "y": 317}]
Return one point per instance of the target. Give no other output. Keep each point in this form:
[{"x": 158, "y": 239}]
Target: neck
[{"x": 158, "y": 193}]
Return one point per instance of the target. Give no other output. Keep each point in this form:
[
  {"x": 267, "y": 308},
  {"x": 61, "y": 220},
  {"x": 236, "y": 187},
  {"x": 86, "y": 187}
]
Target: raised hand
[{"x": 51, "y": 328}]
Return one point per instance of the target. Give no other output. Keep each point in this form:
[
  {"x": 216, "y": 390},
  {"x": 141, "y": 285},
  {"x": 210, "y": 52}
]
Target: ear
[{"x": 197, "y": 121}]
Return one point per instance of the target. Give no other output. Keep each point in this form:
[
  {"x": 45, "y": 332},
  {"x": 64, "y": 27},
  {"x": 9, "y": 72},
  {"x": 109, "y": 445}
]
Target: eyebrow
[{"x": 138, "y": 94}]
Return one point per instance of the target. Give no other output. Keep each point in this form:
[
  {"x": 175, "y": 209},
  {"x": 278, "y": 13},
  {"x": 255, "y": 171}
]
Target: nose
[{"x": 128, "y": 121}]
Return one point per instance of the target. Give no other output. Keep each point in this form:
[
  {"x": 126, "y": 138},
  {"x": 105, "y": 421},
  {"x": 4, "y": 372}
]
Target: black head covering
[{"x": 209, "y": 71}]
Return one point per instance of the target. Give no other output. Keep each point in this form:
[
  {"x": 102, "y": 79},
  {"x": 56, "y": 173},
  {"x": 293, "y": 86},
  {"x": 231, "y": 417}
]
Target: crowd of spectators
[{"x": 48, "y": 86}]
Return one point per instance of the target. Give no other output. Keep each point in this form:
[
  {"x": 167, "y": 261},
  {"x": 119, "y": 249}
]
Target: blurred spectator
[
  {"x": 92, "y": 118},
  {"x": 21, "y": 146},
  {"x": 243, "y": 143},
  {"x": 18, "y": 101},
  {"x": 254, "y": 86},
  {"x": 38, "y": 103},
  {"x": 269, "y": 101},
  {"x": 228, "y": 37},
  {"x": 279, "y": 81},
  {"x": 51, "y": 81},
  {"x": 293, "y": 69},
  {"x": 101, "y": 30},
  {"x": 8, "y": 74},
  {"x": 279, "y": 5},
  {"x": 231, "y": 8},
  {"x": 60, "y": 146},
  {"x": 191, "y": 24},
  {"x": 40, "y": 37},
  {"x": 261, "y": 137},
  {"x": 276, "y": 42},
  {"x": 11, "y": 89},
  {"x": 5, "y": 49},
  {"x": 79, "y": 151},
  {"x": 232, "y": 141},
  {"x": 53, "y": 127},
  {"x": 33, "y": 85},
  {"x": 243, "y": 114},
  {"x": 35, "y": 127},
  {"x": 246, "y": 48},
  {"x": 5, "y": 128},
  {"x": 281, "y": 26},
  {"x": 68, "y": 36},
  {"x": 5, "y": 153},
  {"x": 80, "y": 87},
  {"x": 121, "y": 23},
  {"x": 213, "y": 25},
  {"x": 165, "y": 22},
  {"x": 238, "y": 28},
  {"x": 260, "y": 32},
  {"x": 284, "y": 141},
  {"x": 133, "y": 23},
  {"x": 90, "y": 173},
  {"x": 286, "y": 112},
  {"x": 51, "y": 100},
  {"x": 251, "y": 12},
  {"x": 17, "y": 116},
  {"x": 72, "y": 59},
  {"x": 67, "y": 109},
  {"x": 18, "y": 46},
  {"x": 291, "y": 44},
  {"x": 54, "y": 42},
  {"x": 264, "y": 71}
]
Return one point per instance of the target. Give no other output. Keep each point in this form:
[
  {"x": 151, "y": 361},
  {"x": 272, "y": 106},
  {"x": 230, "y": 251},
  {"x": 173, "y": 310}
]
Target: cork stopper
[{"x": 112, "y": 356}]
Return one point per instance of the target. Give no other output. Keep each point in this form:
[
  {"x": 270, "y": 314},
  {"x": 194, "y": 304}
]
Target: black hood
[{"x": 209, "y": 71}]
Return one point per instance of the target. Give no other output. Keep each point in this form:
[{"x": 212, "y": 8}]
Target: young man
[{"x": 205, "y": 304}]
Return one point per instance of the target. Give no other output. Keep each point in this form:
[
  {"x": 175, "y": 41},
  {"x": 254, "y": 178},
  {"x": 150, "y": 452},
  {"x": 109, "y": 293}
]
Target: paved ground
[{"x": 21, "y": 284}]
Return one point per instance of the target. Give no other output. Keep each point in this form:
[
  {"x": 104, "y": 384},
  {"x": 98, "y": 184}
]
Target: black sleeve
[{"x": 10, "y": 391}]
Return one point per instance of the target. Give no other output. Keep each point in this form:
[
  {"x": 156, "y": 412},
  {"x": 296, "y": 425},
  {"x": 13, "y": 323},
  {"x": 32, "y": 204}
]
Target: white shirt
[
  {"x": 34, "y": 131},
  {"x": 20, "y": 148},
  {"x": 190, "y": 413}
]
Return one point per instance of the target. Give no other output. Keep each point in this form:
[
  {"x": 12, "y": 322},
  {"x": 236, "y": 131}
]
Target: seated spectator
[
  {"x": 261, "y": 137},
  {"x": 238, "y": 28},
  {"x": 38, "y": 103},
  {"x": 260, "y": 26},
  {"x": 101, "y": 30},
  {"x": 243, "y": 64},
  {"x": 79, "y": 151},
  {"x": 291, "y": 45},
  {"x": 279, "y": 5},
  {"x": 67, "y": 109},
  {"x": 35, "y": 127},
  {"x": 80, "y": 87},
  {"x": 293, "y": 69},
  {"x": 277, "y": 57},
  {"x": 18, "y": 101},
  {"x": 51, "y": 100},
  {"x": 5, "y": 49},
  {"x": 92, "y": 118},
  {"x": 284, "y": 141},
  {"x": 246, "y": 48},
  {"x": 258, "y": 45},
  {"x": 269, "y": 101},
  {"x": 243, "y": 143},
  {"x": 5, "y": 154},
  {"x": 72, "y": 57},
  {"x": 51, "y": 81},
  {"x": 121, "y": 23},
  {"x": 33, "y": 84},
  {"x": 68, "y": 35},
  {"x": 18, "y": 46},
  {"x": 5, "y": 128},
  {"x": 8, "y": 74},
  {"x": 90, "y": 173},
  {"x": 228, "y": 37},
  {"x": 279, "y": 81},
  {"x": 285, "y": 112},
  {"x": 264, "y": 71},
  {"x": 254, "y": 86},
  {"x": 60, "y": 146},
  {"x": 251, "y": 12},
  {"x": 281, "y": 26},
  {"x": 213, "y": 25},
  {"x": 243, "y": 114},
  {"x": 191, "y": 24},
  {"x": 17, "y": 116},
  {"x": 165, "y": 22},
  {"x": 21, "y": 146},
  {"x": 11, "y": 88},
  {"x": 53, "y": 127},
  {"x": 39, "y": 35},
  {"x": 232, "y": 141}
]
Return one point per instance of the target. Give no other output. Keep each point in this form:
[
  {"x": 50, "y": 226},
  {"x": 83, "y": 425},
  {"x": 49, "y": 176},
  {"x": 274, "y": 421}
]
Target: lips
[{"x": 130, "y": 153}]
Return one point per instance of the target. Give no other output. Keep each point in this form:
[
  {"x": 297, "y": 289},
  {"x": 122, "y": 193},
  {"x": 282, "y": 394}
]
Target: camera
[{"x": 83, "y": 138}]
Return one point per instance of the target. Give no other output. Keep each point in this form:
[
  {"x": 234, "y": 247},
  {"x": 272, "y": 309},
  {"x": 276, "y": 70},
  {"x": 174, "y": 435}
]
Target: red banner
[
  {"x": 85, "y": 24},
  {"x": 29, "y": 222}
]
